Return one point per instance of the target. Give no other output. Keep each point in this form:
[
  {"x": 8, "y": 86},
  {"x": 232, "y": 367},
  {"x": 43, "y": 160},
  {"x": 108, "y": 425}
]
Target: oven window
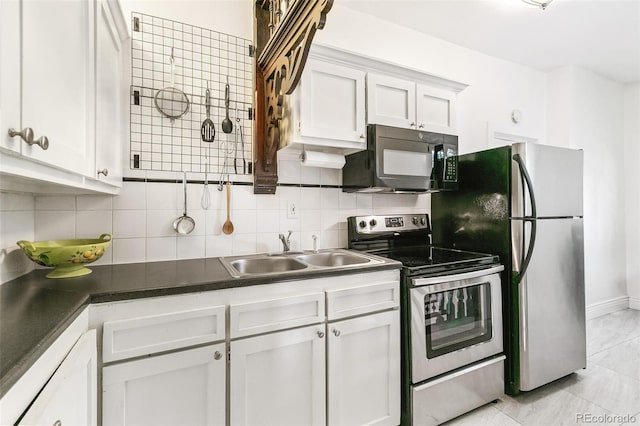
[{"x": 457, "y": 318}]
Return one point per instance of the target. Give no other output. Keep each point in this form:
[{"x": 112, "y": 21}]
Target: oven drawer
[{"x": 432, "y": 402}]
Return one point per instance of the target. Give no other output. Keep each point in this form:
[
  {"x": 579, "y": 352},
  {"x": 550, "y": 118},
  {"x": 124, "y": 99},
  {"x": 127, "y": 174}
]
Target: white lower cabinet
[
  {"x": 70, "y": 396},
  {"x": 363, "y": 385},
  {"x": 279, "y": 378},
  {"x": 181, "y": 388}
]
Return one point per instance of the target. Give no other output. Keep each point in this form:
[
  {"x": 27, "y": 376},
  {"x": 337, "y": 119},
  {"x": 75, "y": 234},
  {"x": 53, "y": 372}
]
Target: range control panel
[{"x": 391, "y": 223}]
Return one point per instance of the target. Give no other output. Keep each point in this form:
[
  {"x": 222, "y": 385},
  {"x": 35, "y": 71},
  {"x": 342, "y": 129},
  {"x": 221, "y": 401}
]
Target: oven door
[{"x": 455, "y": 320}]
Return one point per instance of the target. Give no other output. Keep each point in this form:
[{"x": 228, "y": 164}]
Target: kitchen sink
[
  {"x": 278, "y": 263},
  {"x": 333, "y": 259}
]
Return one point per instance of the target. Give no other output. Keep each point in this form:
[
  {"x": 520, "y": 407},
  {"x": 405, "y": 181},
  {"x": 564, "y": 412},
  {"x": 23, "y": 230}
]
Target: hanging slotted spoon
[{"x": 208, "y": 130}]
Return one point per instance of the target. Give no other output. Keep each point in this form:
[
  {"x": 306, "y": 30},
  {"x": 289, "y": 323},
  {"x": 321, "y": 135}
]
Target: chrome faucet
[{"x": 286, "y": 243}]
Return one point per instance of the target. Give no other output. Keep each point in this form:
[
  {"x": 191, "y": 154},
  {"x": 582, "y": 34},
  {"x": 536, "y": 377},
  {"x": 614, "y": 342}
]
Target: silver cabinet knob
[
  {"x": 421, "y": 126},
  {"x": 217, "y": 355},
  {"x": 413, "y": 124},
  {"x": 104, "y": 171},
  {"x": 336, "y": 332},
  {"x": 27, "y": 135},
  {"x": 320, "y": 334},
  {"x": 361, "y": 136}
]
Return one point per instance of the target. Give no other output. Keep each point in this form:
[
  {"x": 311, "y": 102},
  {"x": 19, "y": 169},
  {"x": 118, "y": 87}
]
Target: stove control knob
[
  {"x": 423, "y": 220},
  {"x": 414, "y": 220},
  {"x": 373, "y": 222},
  {"x": 363, "y": 224}
]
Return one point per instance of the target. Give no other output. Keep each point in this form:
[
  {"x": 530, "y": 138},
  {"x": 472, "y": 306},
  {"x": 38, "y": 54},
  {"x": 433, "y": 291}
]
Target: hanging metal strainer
[{"x": 171, "y": 102}]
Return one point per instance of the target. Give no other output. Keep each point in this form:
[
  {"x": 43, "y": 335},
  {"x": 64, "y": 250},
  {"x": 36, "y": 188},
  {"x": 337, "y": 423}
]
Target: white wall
[
  {"x": 586, "y": 111},
  {"x": 17, "y": 213},
  {"x": 632, "y": 190}
]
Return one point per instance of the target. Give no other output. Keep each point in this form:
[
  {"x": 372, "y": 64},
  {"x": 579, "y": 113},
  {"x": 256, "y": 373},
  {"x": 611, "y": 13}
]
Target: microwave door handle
[{"x": 517, "y": 278}]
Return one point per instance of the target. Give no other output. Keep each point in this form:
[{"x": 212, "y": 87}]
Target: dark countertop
[{"x": 35, "y": 310}]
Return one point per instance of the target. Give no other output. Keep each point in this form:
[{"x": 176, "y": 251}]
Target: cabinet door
[
  {"x": 70, "y": 397},
  {"x": 10, "y": 73},
  {"x": 180, "y": 388},
  {"x": 364, "y": 370},
  {"x": 279, "y": 379},
  {"x": 109, "y": 120},
  {"x": 391, "y": 101},
  {"x": 57, "y": 81},
  {"x": 332, "y": 102},
  {"x": 436, "y": 109}
]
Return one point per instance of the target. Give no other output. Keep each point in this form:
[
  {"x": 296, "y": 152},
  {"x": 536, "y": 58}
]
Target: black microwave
[{"x": 402, "y": 160}]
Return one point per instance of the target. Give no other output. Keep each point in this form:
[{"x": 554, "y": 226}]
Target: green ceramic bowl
[{"x": 68, "y": 257}]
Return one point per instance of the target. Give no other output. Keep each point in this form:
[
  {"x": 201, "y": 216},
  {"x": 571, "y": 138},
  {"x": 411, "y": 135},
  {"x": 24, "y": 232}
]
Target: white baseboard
[
  {"x": 608, "y": 306},
  {"x": 634, "y": 303}
]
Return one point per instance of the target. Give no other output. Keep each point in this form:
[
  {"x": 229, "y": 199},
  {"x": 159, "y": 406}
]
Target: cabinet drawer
[
  {"x": 152, "y": 334},
  {"x": 277, "y": 314},
  {"x": 362, "y": 300}
]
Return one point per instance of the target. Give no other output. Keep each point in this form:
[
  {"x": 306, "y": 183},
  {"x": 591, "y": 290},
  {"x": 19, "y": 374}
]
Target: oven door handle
[{"x": 419, "y": 282}]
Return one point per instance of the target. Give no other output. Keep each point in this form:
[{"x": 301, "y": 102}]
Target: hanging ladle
[{"x": 184, "y": 224}]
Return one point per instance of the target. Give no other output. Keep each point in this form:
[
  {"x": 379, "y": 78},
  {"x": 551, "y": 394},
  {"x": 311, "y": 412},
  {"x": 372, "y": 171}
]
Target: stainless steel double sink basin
[{"x": 305, "y": 261}]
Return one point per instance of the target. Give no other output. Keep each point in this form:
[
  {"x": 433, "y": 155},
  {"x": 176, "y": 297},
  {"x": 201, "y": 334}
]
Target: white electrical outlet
[{"x": 292, "y": 210}]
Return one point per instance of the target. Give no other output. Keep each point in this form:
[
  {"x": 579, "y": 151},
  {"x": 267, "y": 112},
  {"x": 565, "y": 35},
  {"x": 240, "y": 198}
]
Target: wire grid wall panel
[{"x": 201, "y": 57}]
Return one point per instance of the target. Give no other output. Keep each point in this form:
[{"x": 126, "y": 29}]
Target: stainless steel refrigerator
[{"x": 524, "y": 203}]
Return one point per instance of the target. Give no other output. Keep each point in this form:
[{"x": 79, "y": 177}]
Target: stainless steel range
[{"x": 451, "y": 309}]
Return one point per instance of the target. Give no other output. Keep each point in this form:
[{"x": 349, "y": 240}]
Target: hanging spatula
[{"x": 208, "y": 130}]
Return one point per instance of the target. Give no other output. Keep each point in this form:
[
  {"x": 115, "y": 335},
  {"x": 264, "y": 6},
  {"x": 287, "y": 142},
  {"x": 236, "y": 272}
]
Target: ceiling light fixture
[{"x": 541, "y": 4}]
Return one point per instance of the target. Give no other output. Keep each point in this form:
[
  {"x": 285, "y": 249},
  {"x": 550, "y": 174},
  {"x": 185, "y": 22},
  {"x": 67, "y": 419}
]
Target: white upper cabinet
[
  {"x": 391, "y": 101},
  {"x": 398, "y": 102},
  {"x": 436, "y": 109},
  {"x": 61, "y": 73},
  {"x": 327, "y": 109},
  {"x": 57, "y": 77},
  {"x": 110, "y": 128}
]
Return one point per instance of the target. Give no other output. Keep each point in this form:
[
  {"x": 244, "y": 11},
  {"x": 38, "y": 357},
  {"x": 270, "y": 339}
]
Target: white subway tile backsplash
[
  {"x": 330, "y": 198},
  {"x": 162, "y": 248},
  {"x": 55, "y": 202},
  {"x": 244, "y": 221},
  {"x": 92, "y": 224},
  {"x": 310, "y": 175},
  {"x": 364, "y": 201},
  {"x": 242, "y": 197},
  {"x": 163, "y": 196},
  {"x": 267, "y": 201},
  {"x": 129, "y": 223},
  {"x": 347, "y": 200},
  {"x": 14, "y": 263},
  {"x": 160, "y": 223},
  {"x": 310, "y": 220},
  {"x": 289, "y": 171},
  {"x": 11, "y": 201},
  {"x": 219, "y": 245},
  {"x": 94, "y": 202},
  {"x": 331, "y": 176},
  {"x": 129, "y": 250},
  {"x": 287, "y": 194},
  {"x": 268, "y": 242},
  {"x": 310, "y": 198},
  {"x": 268, "y": 221},
  {"x": 191, "y": 247},
  {"x": 243, "y": 244},
  {"x": 55, "y": 224},
  {"x": 16, "y": 226}
]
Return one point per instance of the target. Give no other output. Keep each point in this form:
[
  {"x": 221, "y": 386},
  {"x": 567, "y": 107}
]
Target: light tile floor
[{"x": 608, "y": 389}]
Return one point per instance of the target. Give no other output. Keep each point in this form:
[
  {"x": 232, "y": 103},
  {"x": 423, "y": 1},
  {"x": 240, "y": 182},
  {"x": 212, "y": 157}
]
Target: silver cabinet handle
[
  {"x": 27, "y": 135},
  {"x": 413, "y": 124},
  {"x": 361, "y": 136},
  {"x": 320, "y": 334},
  {"x": 217, "y": 355},
  {"x": 104, "y": 171},
  {"x": 336, "y": 332},
  {"x": 421, "y": 126}
]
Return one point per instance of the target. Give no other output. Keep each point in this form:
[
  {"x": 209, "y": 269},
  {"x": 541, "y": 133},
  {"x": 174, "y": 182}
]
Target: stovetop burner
[{"x": 406, "y": 238}]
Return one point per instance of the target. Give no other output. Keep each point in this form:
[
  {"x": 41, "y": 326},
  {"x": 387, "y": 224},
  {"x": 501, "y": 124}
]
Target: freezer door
[
  {"x": 556, "y": 174},
  {"x": 552, "y": 304}
]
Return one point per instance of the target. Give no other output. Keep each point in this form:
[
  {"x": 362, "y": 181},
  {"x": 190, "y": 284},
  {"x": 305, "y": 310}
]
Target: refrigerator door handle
[{"x": 532, "y": 219}]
